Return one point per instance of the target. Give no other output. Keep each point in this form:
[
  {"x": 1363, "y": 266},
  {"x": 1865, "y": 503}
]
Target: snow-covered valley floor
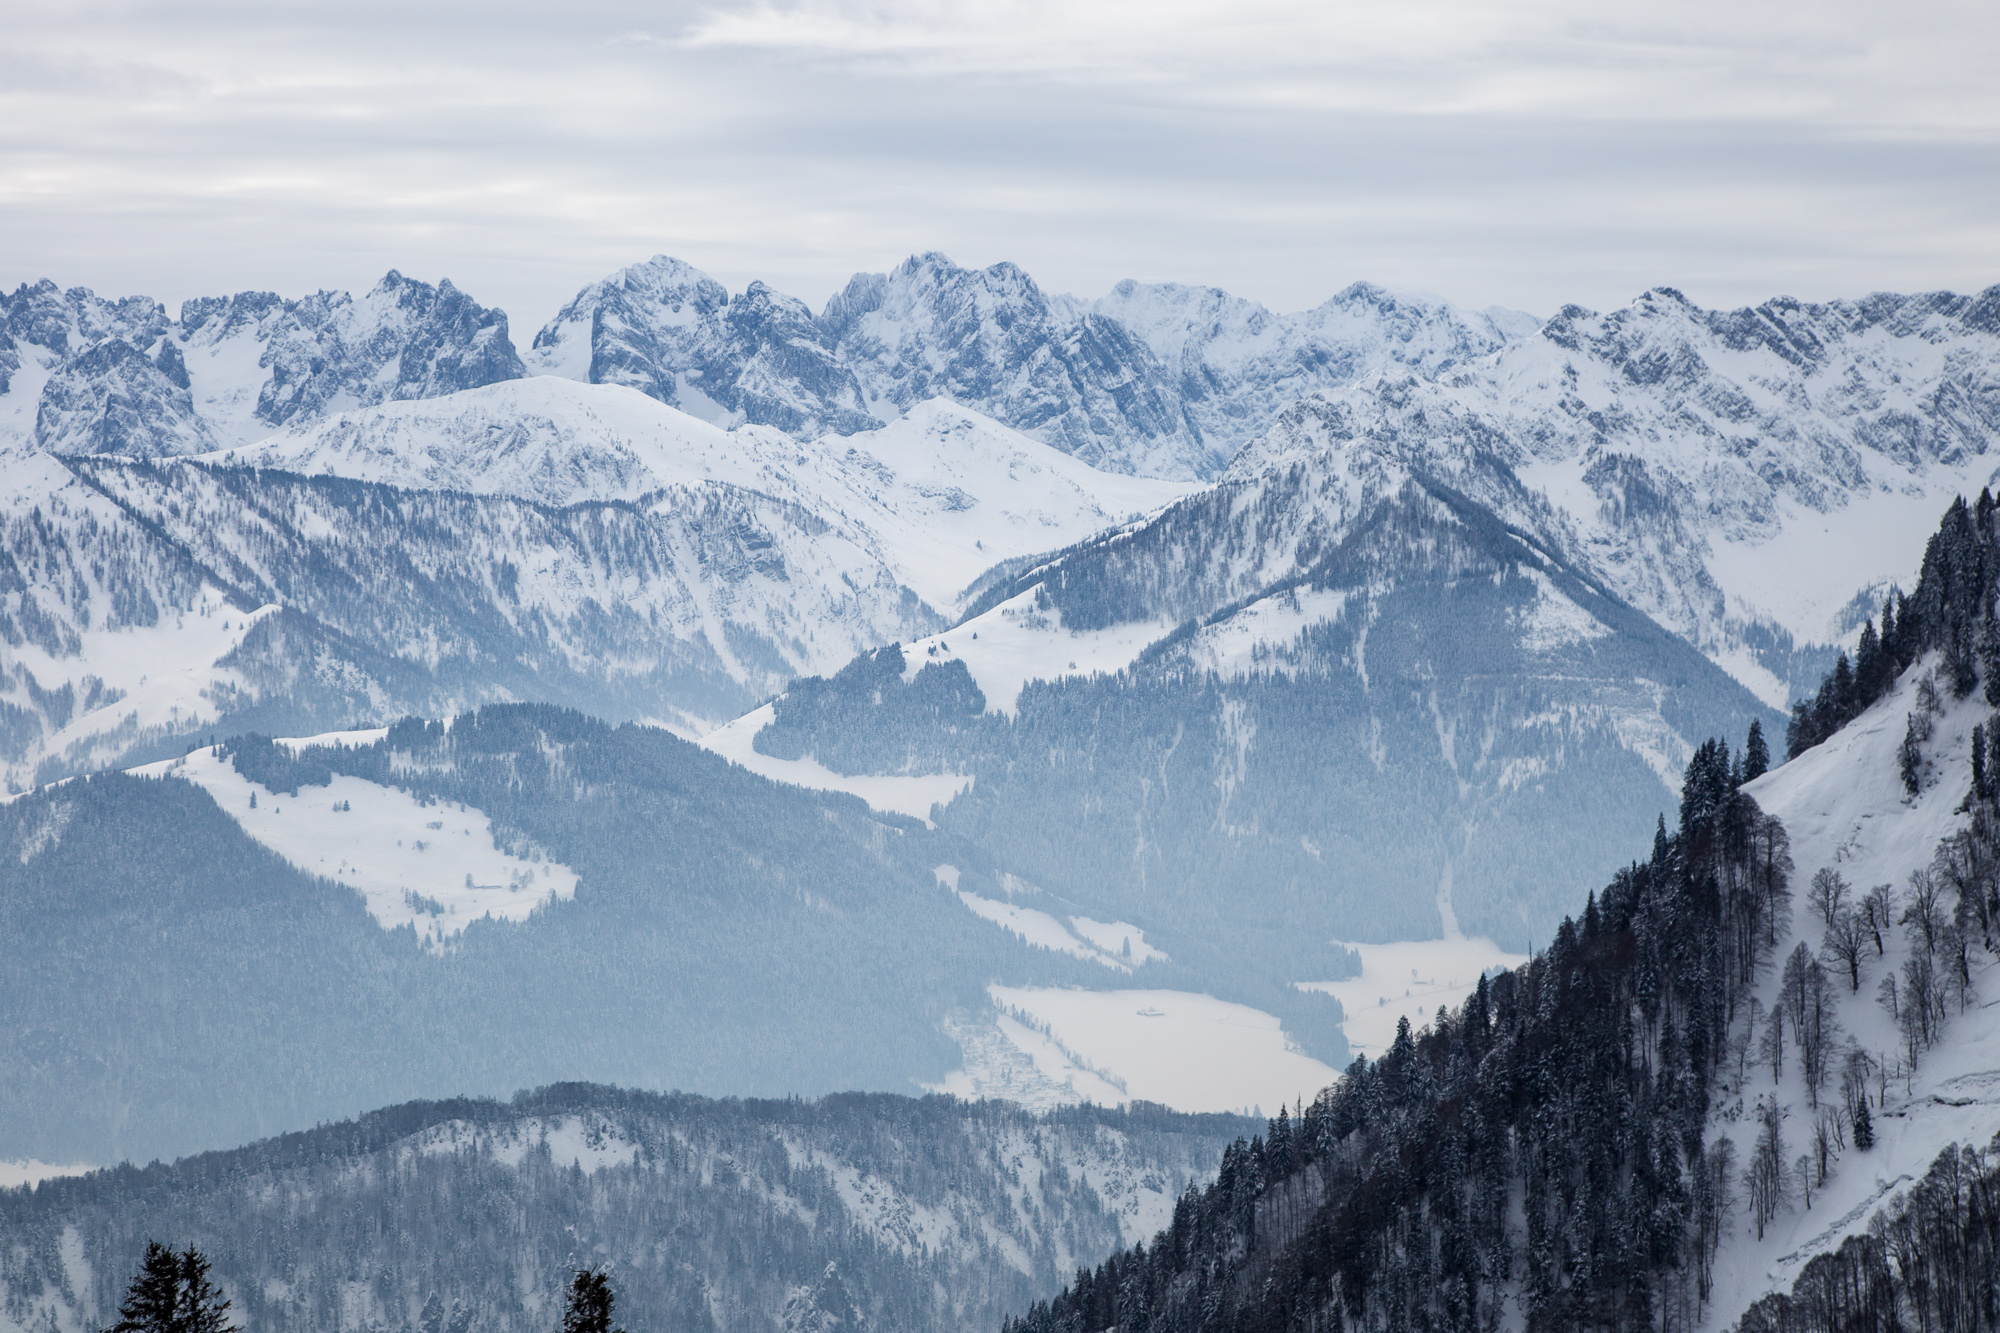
[{"x": 1411, "y": 979}]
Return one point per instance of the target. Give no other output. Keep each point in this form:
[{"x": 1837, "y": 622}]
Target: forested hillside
[
  {"x": 1545, "y": 1139},
  {"x": 1653, "y": 1124},
  {"x": 467, "y": 1216},
  {"x": 176, "y": 985}
]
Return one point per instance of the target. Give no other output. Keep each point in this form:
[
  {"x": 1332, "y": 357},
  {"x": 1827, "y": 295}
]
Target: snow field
[
  {"x": 1119, "y": 945},
  {"x": 1119, "y": 939},
  {"x": 894, "y": 793},
  {"x": 963, "y": 492},
  {"x": 1412, "y": 979},
  {"x": 1189, "y": 1051},
  {"x": 431, "y": 867},
  {"x": 1015, "y": 643},
  {"x": 27, "y": 1171},
  {"x": 1257, "y": 637}
]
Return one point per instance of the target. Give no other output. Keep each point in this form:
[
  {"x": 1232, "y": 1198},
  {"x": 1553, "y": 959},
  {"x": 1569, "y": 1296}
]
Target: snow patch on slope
[
  {"x": 1119, "y": 945},
  {"x": 1017, "y": 641},
  {"x": 1412, "y": 979},
  {"x": 1186, "y": 1050},
  {"x": 902, "y": 794},
  {"x": 430, "y": 866}
]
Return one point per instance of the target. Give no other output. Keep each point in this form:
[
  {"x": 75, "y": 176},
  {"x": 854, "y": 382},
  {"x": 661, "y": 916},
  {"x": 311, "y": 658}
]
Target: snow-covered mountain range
[
  {"x": 83, "y": 375},
  {"x": 1352, "y": 692},
  {"x": 1153, "y": 380},
  {"x": 1752, "y": 479},
  {"x": 536, "y": 538}
]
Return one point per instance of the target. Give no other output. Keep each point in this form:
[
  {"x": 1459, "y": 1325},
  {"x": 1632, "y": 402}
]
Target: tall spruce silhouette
[
  {"x": 173, "y": 1293},
  {"x": 588, "y": 1309}
]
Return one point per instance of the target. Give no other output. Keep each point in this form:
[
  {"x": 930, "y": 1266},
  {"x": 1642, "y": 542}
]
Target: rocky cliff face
[
  {"x": 83, "y": 375},
  {"x": 1162, "y": 380}
]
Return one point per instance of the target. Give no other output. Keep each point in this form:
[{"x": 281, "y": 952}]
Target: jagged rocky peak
[
  {"x": 83, "y": 375},
  {"x": 675, "y": 334},
  {"x": 993, "y": 340},
  {"x": 789, "y": 377},
  {"x": 404, "y": 339},
  {"x": 637, "y": 327}
]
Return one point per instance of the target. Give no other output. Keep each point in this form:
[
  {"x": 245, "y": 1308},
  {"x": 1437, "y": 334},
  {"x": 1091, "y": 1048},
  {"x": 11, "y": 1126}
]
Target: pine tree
[
  {"x": 1756, "y": 754},
  {"x": 152, "y": 1302},
  {"x": 1868, "y": 683},
  {"x": 204, "y": 1309},
  {"x": 173, "y": 1294},
  {"x": 1864, "y": 1127},
  {"x": 588, "y": 1309},
  {"x": 1844, "y": 696}
]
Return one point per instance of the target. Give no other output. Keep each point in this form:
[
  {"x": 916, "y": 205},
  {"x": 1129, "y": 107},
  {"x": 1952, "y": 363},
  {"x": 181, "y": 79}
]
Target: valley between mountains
[{"x": 1014, "y": 806}]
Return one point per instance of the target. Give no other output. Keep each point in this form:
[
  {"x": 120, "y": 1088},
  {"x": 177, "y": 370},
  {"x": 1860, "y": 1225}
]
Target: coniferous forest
[
  {"x": 1548, "y": 1132},
  {"x": 1545, "y": 1140}
]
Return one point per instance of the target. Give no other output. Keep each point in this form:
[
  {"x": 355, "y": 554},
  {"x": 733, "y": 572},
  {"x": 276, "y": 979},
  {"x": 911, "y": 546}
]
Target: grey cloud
[{"x": 523, "y": 151}]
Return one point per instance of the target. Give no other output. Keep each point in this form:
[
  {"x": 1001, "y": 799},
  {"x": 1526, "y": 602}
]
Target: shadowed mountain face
[{"x": 180, "y": 985}]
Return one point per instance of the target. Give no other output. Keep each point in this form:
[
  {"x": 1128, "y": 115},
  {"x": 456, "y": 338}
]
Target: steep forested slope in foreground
[
  {"x": 1749, "y": 1050},
  {"x": 453, "y": 1217}
]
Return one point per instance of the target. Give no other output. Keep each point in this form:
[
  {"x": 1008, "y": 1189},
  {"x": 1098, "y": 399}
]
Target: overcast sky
[{"x": 1516, "y": 152}]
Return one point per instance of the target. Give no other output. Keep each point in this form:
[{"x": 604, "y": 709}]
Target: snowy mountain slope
[
  {"x": 1753, "y": 479},
  {"x": 83, "y": 375},
  {"x": 940, "y": 495},
  {"x": 536, "y": 538},
  {"x": 723, "y": 933},
  {"x": 386, "y": 602},
  {"x": 925, "y": 1214},
  {"x": 1239, "y": 365},
  {"x": 1844, "y": 805},
  {"x": 1346, "y": 669},
  {"x": 423, "y": 865}
]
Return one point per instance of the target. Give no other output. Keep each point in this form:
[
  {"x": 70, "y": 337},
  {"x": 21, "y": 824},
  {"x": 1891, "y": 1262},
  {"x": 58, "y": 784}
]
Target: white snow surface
[
  {"x": 1119, "y": 945},
  {"x": 1186, "y": 1050},
  {"x": 940, "y": 495},
  {"x": 902, "y": 794},
  {"x": 1844, "y": 806},
  {"x": 28, "y": 1171},
  {"x": 431, "y": 866},
  {"x": 1039, "y": 928},
  {"x": 1411, "y": 979},
  {"x": 1016, "y": 642}
]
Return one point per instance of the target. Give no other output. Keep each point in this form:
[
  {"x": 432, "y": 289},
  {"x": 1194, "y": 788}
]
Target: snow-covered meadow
[{"x": 432, "y": 866}]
